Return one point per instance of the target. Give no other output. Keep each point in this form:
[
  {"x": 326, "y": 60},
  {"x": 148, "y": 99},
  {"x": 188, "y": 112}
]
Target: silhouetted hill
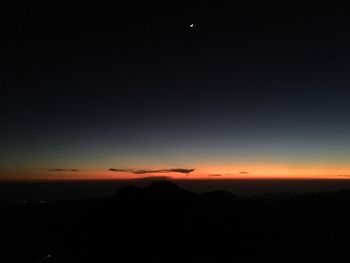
[
  {"x": 219, "y": 195},
  {"x": 158, "y": 190},
  {"x": 164, "y": 223}
]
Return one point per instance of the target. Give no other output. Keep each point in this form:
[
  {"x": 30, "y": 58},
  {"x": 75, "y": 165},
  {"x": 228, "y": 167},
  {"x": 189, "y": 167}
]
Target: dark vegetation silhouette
[{"x": 164, "y": 223}]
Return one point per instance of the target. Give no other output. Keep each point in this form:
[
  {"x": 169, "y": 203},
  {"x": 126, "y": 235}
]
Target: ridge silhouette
[
  {"x": 165, "y": 223},
  {"x": 158, "y": 190}
]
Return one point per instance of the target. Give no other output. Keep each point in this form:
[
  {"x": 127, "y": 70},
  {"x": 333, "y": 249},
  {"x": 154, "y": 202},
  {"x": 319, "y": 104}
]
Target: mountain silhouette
[
  {"x": 158, "y": 190},
  {"x": 165, "y": 223}
]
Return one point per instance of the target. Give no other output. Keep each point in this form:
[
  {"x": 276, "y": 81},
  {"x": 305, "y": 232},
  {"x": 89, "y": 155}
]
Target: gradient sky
[{"x": 248, "y": 92}]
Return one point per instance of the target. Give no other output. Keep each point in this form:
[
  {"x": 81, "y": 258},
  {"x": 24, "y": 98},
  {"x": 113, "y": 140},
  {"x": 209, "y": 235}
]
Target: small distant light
[
  {"x": 43, "y": 201},
  {"x": 48, "y": 256},
  {"x": 191, "y": 25}
]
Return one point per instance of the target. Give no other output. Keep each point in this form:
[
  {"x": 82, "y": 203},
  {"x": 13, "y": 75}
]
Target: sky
[{"x": 132, "y": 90}]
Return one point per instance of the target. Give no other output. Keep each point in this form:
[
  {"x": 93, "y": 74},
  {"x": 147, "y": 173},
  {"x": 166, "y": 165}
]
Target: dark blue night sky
[{"x": 133, "y": 86}]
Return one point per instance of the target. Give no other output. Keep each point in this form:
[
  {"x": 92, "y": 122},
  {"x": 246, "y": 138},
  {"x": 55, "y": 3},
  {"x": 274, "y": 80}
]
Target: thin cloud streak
[
  {"x": 148, "y": 171},
  {"x": 218, "y": 175},
  {"x": 344, "y": 175},
  {"x": 63, "y": 170},
  {"x": 214, "y": 175},
  {"x": 160, "y": 178}
]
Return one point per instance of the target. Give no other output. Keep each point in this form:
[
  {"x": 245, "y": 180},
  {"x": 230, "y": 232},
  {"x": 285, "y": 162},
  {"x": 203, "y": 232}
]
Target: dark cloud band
[
  {"x": 148, "y": 171},
  {"x": 64, "y": 170}
]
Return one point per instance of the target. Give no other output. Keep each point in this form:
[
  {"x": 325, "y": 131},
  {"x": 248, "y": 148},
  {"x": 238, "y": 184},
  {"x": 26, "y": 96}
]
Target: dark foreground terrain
[{"x": 163, "y": 223}]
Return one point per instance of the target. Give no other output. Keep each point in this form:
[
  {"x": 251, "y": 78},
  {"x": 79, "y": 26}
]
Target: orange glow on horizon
[{"x": 207, "y": 172}]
